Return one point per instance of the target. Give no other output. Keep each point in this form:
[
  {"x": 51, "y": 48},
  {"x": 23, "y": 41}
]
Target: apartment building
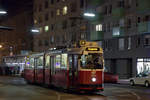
[
  {"x": 123, "y": 30},
  {"x": 60, "y": 22}
]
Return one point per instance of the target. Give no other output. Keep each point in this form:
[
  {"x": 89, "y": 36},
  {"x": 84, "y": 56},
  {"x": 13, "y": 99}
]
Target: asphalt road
[{"x": 14, "y": 88}]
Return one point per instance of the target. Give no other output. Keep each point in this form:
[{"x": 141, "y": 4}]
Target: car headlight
[{"x": 93, "y": 79}]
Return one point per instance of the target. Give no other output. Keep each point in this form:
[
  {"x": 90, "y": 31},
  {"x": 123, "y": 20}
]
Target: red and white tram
[{"x": 79, "y": 68}]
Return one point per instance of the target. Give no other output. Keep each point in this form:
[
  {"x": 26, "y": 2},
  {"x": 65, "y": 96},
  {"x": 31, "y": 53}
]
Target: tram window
[
  {"x": 64, "y": 61},
  {"x": 40, "y": 62},
  {"x": 70, "y": 61},
  {"x": 47, "y": 61},
  {"x": 27, "y": 63},
  {"x": 53, "y": 62},
  {"x": 58, "y": 61},
  {"x": 75, "y": 61},
  {"x": 92, "y": 61},
  {"x": 31, "y": 63}
]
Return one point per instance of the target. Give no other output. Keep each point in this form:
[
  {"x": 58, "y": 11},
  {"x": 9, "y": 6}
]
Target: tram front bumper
[{"x": 91, "y": 87}]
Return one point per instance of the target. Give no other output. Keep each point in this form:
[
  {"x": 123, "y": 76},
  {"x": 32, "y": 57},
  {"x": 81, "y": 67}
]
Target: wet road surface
[{"x": 15, "y": 88}]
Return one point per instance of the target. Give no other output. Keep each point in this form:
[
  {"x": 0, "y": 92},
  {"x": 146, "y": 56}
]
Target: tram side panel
[
  {"x": 47, "y": 71},
  {"x": 47, "y": 76},
  {"x": 39, "y": 69},
  {"x": 39, "y": 77},
  {"x": 59, "y": 70},
  {"x": 73, "y": 70},
  {"x": 29, "y": 75},
  {"x": 29, "y": 70},
  {"x": 59, "y": 79}
]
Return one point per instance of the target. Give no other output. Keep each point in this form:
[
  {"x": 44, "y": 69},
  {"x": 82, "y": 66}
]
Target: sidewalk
[{"x": 124, "y": 81}]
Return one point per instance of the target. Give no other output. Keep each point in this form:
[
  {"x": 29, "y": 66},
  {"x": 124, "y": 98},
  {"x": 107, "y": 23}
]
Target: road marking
[
  {"x": 124, "y": 95},
  {"x": 138, "y": 97},
  {"x": 58, "y": 95},
  {"x": 133, "y": 93},
  {"x": 111, "y": 98},
  {"x": 121, "y": 90}
]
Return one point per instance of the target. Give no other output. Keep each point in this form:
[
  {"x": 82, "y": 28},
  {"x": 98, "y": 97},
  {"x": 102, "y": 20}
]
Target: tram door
[
  {"x": 73, "y": 69},
  {"x": 35, "y": 70},
  {"x": 52, "y": 67}
]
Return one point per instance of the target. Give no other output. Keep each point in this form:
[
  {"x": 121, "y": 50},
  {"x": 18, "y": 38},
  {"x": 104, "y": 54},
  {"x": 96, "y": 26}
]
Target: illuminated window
[
  {"x": 35, "y": 21},
  {"x": 65, "y": 10},
  {"x": 57, "y": 64},
  {"x": 31, "y": 62},
  {"x": 129, "y": 43},
  {"x": 121, "y": 44},
  {"x": 40, "y": 62},
  {"x": 58, "y": 12},
  {"x": 47, "y": 61},
  {"x": 99, "y": 27},
  {"x": 46, "y": 28},
  {"x": 64, "y": 61},
  {"x": 143, "y": 65},
  {"x": 52, "y": 39},
  {"x": 116, "y": 31}
]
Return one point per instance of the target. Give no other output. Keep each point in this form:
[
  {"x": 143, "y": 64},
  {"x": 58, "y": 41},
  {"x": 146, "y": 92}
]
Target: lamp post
[
  {"x": 89, "y": 16},
  {"x": 82, "y": 26}
]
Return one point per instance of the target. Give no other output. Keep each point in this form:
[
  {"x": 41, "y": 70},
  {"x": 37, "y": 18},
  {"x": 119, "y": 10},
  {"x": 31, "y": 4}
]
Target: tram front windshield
[{"x": 92, "y": 61}]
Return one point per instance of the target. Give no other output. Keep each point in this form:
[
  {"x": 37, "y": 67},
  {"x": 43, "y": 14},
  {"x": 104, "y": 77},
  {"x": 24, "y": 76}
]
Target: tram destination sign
[{"x": 92, "y": 49}]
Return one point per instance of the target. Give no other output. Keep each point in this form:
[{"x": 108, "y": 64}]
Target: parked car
[
  {"x": 141, "y": 79},
  {"x": 110, "y": 77}
]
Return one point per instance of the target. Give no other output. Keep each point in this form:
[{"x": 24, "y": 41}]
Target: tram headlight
[{"x": 93, "y": 79}]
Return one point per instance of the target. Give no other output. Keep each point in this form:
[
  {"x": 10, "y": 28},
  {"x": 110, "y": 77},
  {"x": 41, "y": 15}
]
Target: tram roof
[{"x": 36, "y": 54}]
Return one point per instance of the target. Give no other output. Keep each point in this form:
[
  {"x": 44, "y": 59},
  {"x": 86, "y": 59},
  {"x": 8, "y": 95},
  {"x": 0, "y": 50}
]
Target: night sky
[{"x": 15, "y": 6}]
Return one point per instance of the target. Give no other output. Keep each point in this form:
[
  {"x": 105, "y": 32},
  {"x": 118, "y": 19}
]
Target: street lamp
[
  {"x": 1, "y": 46},
  {"x": 89, "y": 14},
  {"x": 2, "y": 12},
  {"x": 35, "y": 30},
  {"x": 89, "y": 17}
]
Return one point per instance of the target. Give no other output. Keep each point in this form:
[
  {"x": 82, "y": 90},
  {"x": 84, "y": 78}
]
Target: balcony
[
  {"x": 99, "y": 35},
  {"x": 118, "y": 31},
  {"x": 144, "y": 27},
  {"x": 143, "y": 6},
  {"x": 118, "y": 13},
  {"x": 97, "y": 2}
]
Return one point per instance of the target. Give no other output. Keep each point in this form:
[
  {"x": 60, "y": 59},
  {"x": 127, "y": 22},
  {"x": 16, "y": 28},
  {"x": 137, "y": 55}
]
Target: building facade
[
  {"x": 17, "y": 38},
  {"x": 124, "y": 36},
  {"x": 61, "y": 23},
  {"x": 121, "y": 27}
]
